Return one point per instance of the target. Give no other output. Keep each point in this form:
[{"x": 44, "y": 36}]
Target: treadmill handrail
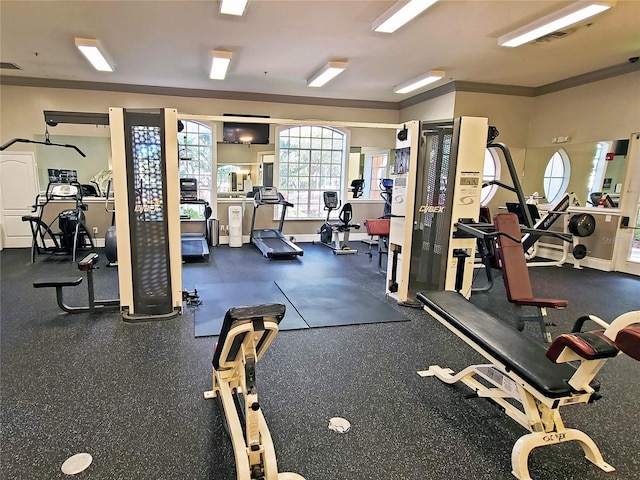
[{"x": 256, "y": 236}]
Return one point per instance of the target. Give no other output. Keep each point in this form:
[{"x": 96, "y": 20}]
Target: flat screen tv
[{"x": 236, "y": 132}]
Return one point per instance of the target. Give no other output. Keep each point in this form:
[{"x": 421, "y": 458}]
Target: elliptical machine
[
  {"x": 386, "y": 192},
  {"x": 330, "y": 232},
  {"x": 73, "y": 233}
]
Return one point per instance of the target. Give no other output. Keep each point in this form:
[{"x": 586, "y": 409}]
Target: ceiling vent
[
  {"x": 9, "y": 66},
  {"x": 550, "y": 37}
]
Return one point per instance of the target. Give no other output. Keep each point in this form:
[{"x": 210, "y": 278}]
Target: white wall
[
  {"x": 604, "y": 110},
  {"x": 21, "y": 111},
  {"x": 440, "y": 108},
  {"x": 21, "y": 116}
]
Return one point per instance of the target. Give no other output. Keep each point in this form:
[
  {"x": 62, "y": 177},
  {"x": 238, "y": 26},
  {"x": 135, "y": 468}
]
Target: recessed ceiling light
[
  {"x": 399, "y": 14},
  {"x": 233, "y": 7},
  {"x": 327, "y": 73},
  {"x": 219, "y": 64},
  {"x": 94, "y": 52},
  {"x": 564, "y": 17},
  {"x": 419, "y": 81}
]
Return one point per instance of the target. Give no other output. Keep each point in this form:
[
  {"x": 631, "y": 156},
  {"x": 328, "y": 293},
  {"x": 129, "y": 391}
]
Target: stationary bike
[{"x": 330, "y": 232}]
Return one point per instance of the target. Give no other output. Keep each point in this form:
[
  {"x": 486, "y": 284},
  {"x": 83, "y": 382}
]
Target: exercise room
[{"x": 262, "y": 240}]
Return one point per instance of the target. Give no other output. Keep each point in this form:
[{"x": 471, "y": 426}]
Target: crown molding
[
  {"x": 590, "y": 77},
  {"x": 21, "y": 81},
  {"x": 454, "y": 86}
]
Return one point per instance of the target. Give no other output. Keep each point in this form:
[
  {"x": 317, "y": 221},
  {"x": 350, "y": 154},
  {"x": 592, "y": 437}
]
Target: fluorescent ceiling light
[
  {"x": 420, "y": 81},
  {"x": 94, "y": 52},
  {"x": 326, "y": 73},
  {"x": 564, "y": 17},
  {"x": 233, "y": 7},
  {"x": 220, "y": 64},
  {"x": 401, "y": 13}
]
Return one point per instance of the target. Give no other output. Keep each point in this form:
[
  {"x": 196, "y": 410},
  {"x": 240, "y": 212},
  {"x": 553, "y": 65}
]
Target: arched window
[
  {"x": 491, "y": 171},
  {"x": 556, "y": 176},
  {"x": 311, "y": 160},
  {"x": 194, "y": 146}
]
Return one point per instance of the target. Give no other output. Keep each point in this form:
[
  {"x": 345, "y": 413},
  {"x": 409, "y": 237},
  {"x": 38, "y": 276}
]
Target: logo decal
[{"x": 431, "y": 209}]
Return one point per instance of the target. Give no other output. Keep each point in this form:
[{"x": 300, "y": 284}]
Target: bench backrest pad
[{"x": 516, "y": 351}]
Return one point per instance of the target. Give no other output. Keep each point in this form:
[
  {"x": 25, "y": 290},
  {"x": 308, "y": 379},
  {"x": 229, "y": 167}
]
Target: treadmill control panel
[
  {"x": 188, "y": 189},
  {"x": 267, "y": 195}
]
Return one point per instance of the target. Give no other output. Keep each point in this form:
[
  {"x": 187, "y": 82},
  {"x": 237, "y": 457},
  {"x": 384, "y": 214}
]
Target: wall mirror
[
  {"x": 371, "y": 164},
  {"x": 62, "y": 161},
  {"x": 241, "y": 167},
  {"x": 594, "y": 168}
]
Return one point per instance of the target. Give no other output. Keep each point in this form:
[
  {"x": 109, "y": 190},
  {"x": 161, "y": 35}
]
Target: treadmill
[
  {"x": 272, "y": 243},
  {"x": 194, "y": 245}
]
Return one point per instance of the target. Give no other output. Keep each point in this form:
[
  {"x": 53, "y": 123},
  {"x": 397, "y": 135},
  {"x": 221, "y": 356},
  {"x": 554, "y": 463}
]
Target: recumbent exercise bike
[{"x": 330, "y": 232}]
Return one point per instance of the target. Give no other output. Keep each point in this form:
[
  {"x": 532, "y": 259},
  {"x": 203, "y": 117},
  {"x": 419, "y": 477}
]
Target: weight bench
[
  {"x": 88, "y": 264},
  {"x": 522, "y": 372},
  {"x": 378, "y": 227},
  {"x": 246, "y": 334},
  {"x": 515, "y": 274}
]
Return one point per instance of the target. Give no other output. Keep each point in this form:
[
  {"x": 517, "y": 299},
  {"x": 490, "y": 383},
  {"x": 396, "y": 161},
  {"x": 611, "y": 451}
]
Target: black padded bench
[
  {"x": 59, "y": 282},
  {"x": 529, "y": 382},
  {"x": 238, "y": 315},
  {"x": 515, "y": 350},
  {"x": 87, "y": 264}
]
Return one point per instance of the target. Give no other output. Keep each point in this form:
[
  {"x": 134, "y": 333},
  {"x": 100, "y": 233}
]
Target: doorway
[{"x": 18, "y": 190}]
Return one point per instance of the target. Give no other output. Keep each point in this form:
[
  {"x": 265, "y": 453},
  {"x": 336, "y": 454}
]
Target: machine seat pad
[
  {"x": 341, "y": 227},
  {"x": 541, "y": 302},
  {"x": 378, "y": 226},
  {"x": 517, "y": 352},
  {"x": 238, "y": 315},
  {"x": 88, "y": 262},
  {"x": 589, "y": 345},
  {"x": 628, "y": 340},
  {"x": 58, "y": 282}
]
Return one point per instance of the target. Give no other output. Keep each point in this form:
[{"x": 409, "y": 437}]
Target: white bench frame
[
  {"x": 256, "y": 447},
  {"x": 539, "y": 413}
]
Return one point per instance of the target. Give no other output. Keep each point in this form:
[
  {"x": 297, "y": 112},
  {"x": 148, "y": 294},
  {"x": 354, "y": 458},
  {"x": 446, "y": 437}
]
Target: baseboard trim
[{"x": 589, "y": 262}]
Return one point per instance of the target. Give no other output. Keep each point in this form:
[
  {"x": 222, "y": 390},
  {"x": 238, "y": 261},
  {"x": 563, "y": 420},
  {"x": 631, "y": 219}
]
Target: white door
[
  {"x": 18, "y": 190},
  {"x": 627, "y": 251}
]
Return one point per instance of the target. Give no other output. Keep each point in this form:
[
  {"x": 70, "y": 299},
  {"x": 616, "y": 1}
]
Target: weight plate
[
  {"x": 582, "y": 225},
  {"x": 579, "y": 252}
]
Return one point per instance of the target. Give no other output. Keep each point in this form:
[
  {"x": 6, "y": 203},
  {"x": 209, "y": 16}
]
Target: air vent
[
  {"x": 550, "y": 37},
  {"x": 9, "y": 66}
]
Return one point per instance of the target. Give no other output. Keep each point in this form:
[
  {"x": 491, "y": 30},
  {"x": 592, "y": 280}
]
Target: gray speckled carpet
[{"x": 131, "y": 394}]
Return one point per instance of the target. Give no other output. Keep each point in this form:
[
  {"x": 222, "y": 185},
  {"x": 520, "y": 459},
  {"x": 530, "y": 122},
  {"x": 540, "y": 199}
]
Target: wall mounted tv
[{"x": 240, "y": 132}]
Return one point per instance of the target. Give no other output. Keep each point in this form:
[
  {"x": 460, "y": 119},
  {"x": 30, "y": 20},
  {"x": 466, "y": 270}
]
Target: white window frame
[
  {"x": 369, "y": 185},
  {"x": 193, "y": 147},
  {"x": 598, "y": 167},
  {"x": 563, "y": 157},
  {"x": 489, "y": 192},
  {"x": 344, "y": 168}
]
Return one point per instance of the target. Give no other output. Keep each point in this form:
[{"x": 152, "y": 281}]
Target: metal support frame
[
  {"x": 540, "y": 416},
  {"x": 255, "y": 455},
  {"x": 96, "y": 306},
  {"x": 86, "y": 265},
  {"x": 537, "y": 413},
  {"x": 339, "y": 246}
]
